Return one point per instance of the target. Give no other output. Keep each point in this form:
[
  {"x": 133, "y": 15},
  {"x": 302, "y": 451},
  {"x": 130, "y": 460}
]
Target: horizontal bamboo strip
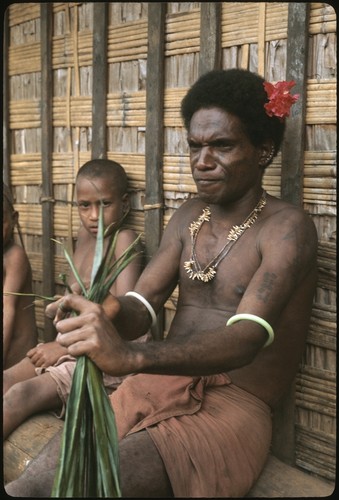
[
  {"x": 22, "y": 12},
  {"x": 24, "y": 58},
  {"x": 322, "y": 19},
  {"x": 317, "y": 463},
  {"x": 322, "y": 336},
  {"x": 179, "y": 21},
  {"x": 306, "y": 397},
  {"x": 80, "y": 111},
  {"x": 315, "y": 373},
  {"x": 182, "y": 33},
  {"x": 240, "y": 23},
  {"x": 309, "y": 445},
  {"x": 27, "y": 168},
  {"x": 328, "y": 438},
  {"x": 324, "y": 323},
  {"x": 24, "y": 114},
  {"x": 328, "y": 183},
  {"x": 126, "y": 109},
  {"x": 127, "y": 41},
  {"x": 313, "y": 403},
  {"x": 308, "y": 383},
  {"x": 63, "y": 50},
  {"x": 319, "y": 195}
]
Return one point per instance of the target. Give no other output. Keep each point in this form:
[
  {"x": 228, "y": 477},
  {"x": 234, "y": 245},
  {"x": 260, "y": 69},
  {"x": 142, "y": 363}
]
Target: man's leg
[
  {"x": 142, "y": 472},
  {"x": 37, "y": 479}
]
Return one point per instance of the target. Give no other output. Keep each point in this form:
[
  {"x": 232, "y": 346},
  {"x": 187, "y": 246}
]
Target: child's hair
[
  {"x": 105, "y": 168},
  {"x": 241, "y": 93}
]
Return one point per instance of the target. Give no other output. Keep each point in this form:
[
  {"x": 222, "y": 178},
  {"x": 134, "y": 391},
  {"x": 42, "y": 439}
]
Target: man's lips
[{"x": 207, "y": 180}]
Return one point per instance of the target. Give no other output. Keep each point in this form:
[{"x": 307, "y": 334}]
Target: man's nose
[{"x": 205, "y": 159}]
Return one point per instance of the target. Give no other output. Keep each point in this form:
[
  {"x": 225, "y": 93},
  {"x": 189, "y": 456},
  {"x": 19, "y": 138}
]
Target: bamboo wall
[{"x": 252, "y": 36}]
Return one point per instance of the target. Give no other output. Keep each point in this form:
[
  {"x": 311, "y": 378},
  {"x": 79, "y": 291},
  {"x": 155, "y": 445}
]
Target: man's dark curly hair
[{"x": 241, "y": 93}]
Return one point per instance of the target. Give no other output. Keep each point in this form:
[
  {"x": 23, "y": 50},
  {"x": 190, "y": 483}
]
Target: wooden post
[
  {"x": 99, "y": 91},
  {"x": 296, "y": 69},
  {"x": 154, "y": 137},
  {"x": 46, "y": 160},
  {"x": 283, "y": 444},
  {"x": 210, "y": 36},
  {"x": 5, "y": 105}
]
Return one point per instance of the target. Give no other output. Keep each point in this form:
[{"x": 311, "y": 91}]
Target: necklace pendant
[
  {"x": 199, "y": 275},
  {"x": 207, "y": 274}
]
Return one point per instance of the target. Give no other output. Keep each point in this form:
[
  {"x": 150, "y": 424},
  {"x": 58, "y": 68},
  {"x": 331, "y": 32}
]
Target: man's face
[{"x": 224, "y": 163}]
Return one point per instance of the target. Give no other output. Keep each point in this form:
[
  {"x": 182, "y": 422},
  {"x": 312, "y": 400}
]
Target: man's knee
[{"x": 142, "y": 471}]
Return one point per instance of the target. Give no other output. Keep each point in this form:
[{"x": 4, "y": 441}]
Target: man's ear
[
  {"x": 126, "y": 206},
  {"x": 267, "y": 154}
]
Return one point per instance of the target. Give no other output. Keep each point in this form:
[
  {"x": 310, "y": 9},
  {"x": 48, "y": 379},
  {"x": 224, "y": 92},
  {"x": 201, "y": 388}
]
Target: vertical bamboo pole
[
  {"x": 296, "y": 69},
  {"x": 5, "y": 105},
  {"x": 99, "y": 90},
  {"x": 210, "y": 36},
  {"x": 46, "y": 159},
  {"x": 292, "y": 169},
  {"x": 154, "y": 137}
]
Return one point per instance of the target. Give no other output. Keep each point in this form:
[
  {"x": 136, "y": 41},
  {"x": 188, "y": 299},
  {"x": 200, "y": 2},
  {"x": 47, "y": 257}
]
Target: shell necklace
[{"x": 193, "y": 267}]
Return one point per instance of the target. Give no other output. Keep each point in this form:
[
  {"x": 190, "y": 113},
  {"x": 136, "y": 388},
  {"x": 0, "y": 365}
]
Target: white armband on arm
[
  {"x": 256, "y": 319},
  {"x": 146, "y": 304}
]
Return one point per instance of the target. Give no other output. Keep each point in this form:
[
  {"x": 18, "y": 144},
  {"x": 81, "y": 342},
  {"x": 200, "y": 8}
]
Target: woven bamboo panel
[
  {"x": 127, "y": 41},
  {"x": 23, "y": 12},
  {"x": 182, "y": 33},
  {"x": 323, "y": 18},
  {"x": 126, "y": 109},
  {"x": 134, "y": 165},
  {"x": 321, "y": 102},
  {"x": 240, "y": 22}
]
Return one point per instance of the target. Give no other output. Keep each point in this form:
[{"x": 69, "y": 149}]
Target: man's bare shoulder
[
  {"x": 286, "y": 215},
  {"x": 288, "y": 233},
  {"x": 188, "y": 211}
]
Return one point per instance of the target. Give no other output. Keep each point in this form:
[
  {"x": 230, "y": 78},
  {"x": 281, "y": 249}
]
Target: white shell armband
[
  {"x": 146, "y": 304},
  {"x": 256, "y": 319}
]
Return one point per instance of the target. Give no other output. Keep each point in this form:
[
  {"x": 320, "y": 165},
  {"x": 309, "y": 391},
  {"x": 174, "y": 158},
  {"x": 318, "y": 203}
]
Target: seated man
[{"x": 195, "y": 418}]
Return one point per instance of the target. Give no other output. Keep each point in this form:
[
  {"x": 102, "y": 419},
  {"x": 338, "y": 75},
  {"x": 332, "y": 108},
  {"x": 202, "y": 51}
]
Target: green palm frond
[{"x": 89, "y": 456}]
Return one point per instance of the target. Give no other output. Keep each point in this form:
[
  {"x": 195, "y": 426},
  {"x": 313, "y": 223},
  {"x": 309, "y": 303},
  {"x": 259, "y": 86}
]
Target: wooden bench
[{"x": 277, "y": 479}]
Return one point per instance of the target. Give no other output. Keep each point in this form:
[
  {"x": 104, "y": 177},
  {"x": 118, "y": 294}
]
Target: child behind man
[
  {"x": 19, "y": 327},
  {"x": 42, "y": 380}
]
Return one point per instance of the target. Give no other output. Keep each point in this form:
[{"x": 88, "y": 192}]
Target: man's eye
[{"x": 194, "y": 147}]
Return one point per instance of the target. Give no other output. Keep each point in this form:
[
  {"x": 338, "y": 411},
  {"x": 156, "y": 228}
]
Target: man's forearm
[{"x": 132, "y": 320}]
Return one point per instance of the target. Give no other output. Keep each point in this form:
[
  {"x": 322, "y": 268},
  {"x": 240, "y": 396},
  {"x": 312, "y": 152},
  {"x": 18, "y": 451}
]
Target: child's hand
[{"x": 44, "y": 355}]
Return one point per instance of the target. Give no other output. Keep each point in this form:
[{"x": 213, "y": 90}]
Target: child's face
[
  {"x": 8, "y": 223},
  {"x": 89, "y": 193}
]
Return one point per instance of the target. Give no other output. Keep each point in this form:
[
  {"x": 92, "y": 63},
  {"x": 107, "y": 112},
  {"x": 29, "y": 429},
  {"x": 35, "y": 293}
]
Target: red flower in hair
[{"x": 280, "y": 100}]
